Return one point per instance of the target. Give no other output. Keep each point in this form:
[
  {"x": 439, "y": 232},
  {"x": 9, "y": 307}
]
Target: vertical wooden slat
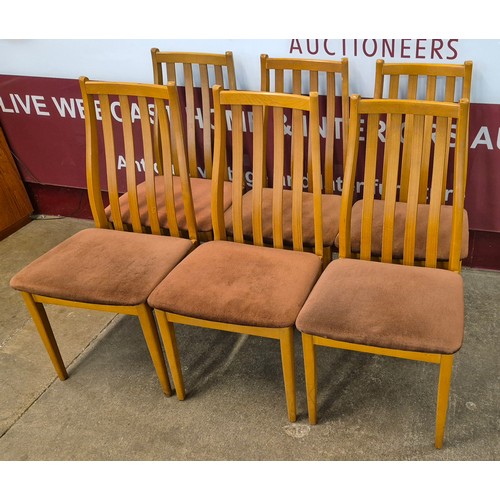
[
  {"x": 93, "y": 175},
  {"x": 190, "y": 120},
  {"x": 393, "y": 143},
  {"x": 449, "y": 97},
  {"x": 313, "y": 87},
  {"x": 406, "y": 157},
  {"x": 297, "y": 170},
  {"x": 329, "y": 157},
  {"x": 279, "y": 80},
  {"x": 165, "y": 137},
  {"x": 412, "y": 87},
  {"x": 128, "y": 141},
  {"x": 369, "y": 185},
  {"x": 379, "y": 79},
  {"x": 413, "y": 191},
  {"x": 219, "y": 76},
  {"x": 149, "y": 161},
  {"x": 111, "y": 162},
  {"x": 207, "y": 130},
  {"x": 278, "y": 172},
  {"x": 231, "y": 73},
  {"x": 238, "y": 182},
  {"x": 438, "y": 167},
  {"x": 394, "y": 87},
  {"x": 265, "y": 84},
  {"x": 258, "y": 174}
]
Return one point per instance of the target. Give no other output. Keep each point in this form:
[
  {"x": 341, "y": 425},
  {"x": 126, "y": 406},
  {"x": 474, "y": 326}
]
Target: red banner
[{"x": 43, "y": 121}]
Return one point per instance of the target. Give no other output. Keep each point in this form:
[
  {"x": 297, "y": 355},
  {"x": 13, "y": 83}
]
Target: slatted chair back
[
  {"x": 265, "y": 105},
  {"x": 196, "y": 72},
  {"x": 301, "y": 76},
  {"x": 417, "y": 116},
  {"x": 422, "y": 81},
  {"x": 120, "y": 118}
]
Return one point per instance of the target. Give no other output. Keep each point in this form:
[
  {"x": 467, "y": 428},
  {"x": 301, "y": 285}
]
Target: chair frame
[
  {"x": 445, "y": 361},
  {"x": 260, "y": 100}
]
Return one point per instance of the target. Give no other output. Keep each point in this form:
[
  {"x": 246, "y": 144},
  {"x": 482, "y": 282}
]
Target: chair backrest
[
  {"x": 301, "y": 76},
  {"x": 119, "y": 120},
  {"x": 266, "y": 107},
  {"x": 417, "y": 117},
  {"x": 197, "y": 72},
  {"x": 423, "y": 81}
]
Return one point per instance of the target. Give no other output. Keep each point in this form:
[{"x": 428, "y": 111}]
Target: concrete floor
[{"x": 112, "y": 407}]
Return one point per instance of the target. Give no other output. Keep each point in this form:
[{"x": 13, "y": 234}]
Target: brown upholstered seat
[
  {"x": 218, "y": 282},
  {"x": 103, "y": 266},
  {"x": 330, "y": 204},
  {"x": 201, "y": 192},
  {"x": 444, "y": 236},
  {"x": 396, "y": 307}
]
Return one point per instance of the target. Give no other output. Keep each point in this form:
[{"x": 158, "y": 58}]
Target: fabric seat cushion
[
  {"x": 387, "y": 305},
  {"x": 103, "y": 266},
  {"x": 201, "y": 190},
  {"x": 444, "y": 236},
  {"x": 330, "y": 210},
  {"x": 240, "y": 284}
]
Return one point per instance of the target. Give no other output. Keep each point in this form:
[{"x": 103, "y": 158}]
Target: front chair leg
[
  {"x": 170, "y": 343},
  {"x": 288, "y": 363},
  {"x": 445, "y": 370},
  {"x": 148, "y": 325},
  {"x": 42, "y": 324},
  {"x": 311, "y": 376}
]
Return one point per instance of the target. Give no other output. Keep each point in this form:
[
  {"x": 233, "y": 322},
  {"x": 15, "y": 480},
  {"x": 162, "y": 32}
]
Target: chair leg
[
  {"x": 311, "y": 376},
  {"x": 445, "y": 370},
  {"x": 150, "y": 332},
  {"x": 327, "y": 256},
  {"x": 169, "y": 341},
  {"x": 288, "y": 363},
  {"x": 42, "y": 324}
]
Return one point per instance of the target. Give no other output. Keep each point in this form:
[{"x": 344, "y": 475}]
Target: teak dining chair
[
  {"x": 398, "y": 310},
  {"x": 195, "y": 73},
  {"x": 116, "y": 270},
  {"x": 422, "y": 81},
  {"x": 301, "y": 76},
  {"x": 249, "y": 288}
]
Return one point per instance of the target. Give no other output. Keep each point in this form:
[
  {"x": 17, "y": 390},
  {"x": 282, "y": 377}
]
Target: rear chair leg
[
  {"x": 445, "y": 370},
  {"x": 170, "y": 343},
  {"x": 148, "y": 325},
  {"x": 288, "y": 363},
  {"x": 42, "y": 324},
  {"x": 311, "y": 376}
]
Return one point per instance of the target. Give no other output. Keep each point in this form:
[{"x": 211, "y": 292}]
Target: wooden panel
[{"x": 15, "y": 206}]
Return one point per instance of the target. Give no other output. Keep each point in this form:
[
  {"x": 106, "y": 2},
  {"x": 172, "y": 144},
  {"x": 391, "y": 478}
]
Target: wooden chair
[
  {"x": 301, "y": 76},
  {"x": 240, "y": 287},
  {"x": 196, "y": 73},
  {"x": 404, "y": 311},
  {"x": 423, "y": 81},
  {"x": 116, "y": 270}
]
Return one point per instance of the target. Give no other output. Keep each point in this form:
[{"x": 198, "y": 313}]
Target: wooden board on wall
[{"x": 15, "y": 205}]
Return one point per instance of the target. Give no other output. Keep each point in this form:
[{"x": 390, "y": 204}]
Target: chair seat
[
  {"x": 330, "y": 209},
  {"x": 239, "y": 284},
  {"x": 102, "y": 266},
  {"x": 387, "y": 305},
  {"x": 201, "y": 190},
  {"x": 444, "y": 237}
]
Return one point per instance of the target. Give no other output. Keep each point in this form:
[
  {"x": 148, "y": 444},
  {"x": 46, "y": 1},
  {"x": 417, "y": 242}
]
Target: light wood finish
[
  {"x": 197, "y": 72},
  {"x": 261, "y": 104},
  {"x": 419, "y": 114},
  {"x": 301, "y": 76},
  {"x": 113, "y": 133},
  {"x": 15, "y": 205},
  {"x": 422, "y": 81}
]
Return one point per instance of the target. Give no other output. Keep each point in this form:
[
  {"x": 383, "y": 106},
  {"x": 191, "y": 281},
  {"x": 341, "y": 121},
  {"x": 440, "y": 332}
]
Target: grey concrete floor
[{"x": 112, "y": 407}]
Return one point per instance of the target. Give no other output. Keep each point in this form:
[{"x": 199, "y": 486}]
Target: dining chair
[
  {"x": 229, "y": 284},
  {"x": 108, "y": 269},
  {"x": 400, "y": 310},
  {"x": 331, "y": 80},
  {"x": 423, "y": 81},
  {"x": 195, "y": 73}
]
